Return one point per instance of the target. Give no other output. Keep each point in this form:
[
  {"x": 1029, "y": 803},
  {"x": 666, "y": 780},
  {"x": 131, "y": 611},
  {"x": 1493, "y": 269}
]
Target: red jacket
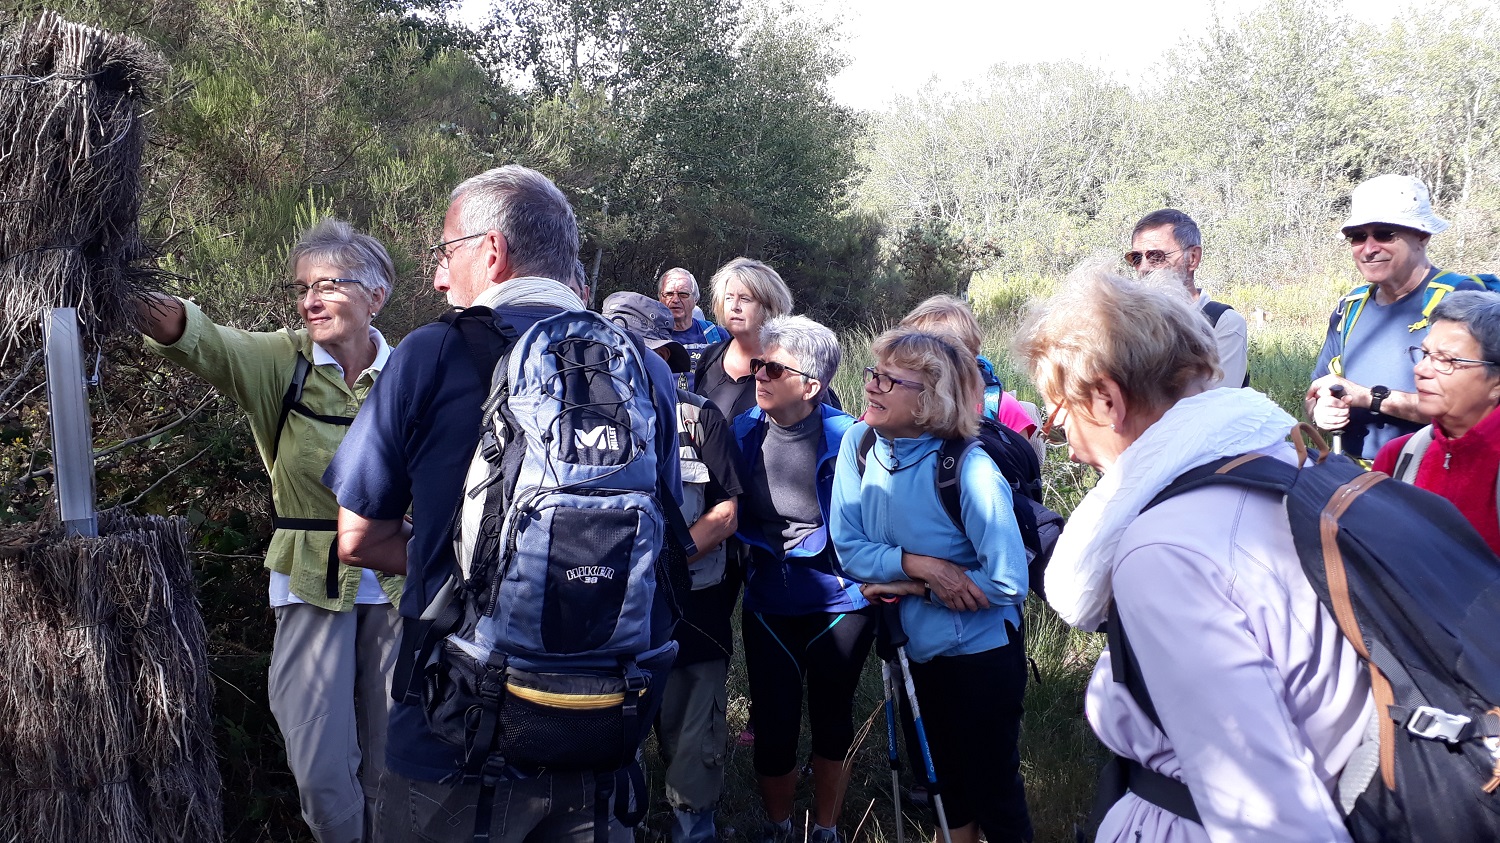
[{"x": 1462, "y": 470}]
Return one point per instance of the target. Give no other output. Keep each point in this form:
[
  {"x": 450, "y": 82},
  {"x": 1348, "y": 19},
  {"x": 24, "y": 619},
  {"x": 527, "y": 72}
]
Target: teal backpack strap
[{"x": 1432, "y": 295}]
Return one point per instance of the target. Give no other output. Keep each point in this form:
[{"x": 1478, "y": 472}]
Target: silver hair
[
  {"x": 529, "y": 211},
  {"x": 335, "y": 242},
  {"x": 678, "y": 272},
  {"x": 815, "y": 346},
  {"x": 1184, "y": 230},
  {"x": 1479, "y": 313}
]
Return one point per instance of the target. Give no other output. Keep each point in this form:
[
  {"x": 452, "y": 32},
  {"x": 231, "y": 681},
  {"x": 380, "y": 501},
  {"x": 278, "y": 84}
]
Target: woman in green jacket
[{"x": 336, "y": 626}]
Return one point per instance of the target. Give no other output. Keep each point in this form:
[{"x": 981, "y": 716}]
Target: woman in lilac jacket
[{"x": 1262, "y": 701}]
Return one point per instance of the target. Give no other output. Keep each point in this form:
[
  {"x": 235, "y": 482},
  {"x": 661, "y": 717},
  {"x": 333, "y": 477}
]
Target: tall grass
[{"x": 1060, "y": 756}]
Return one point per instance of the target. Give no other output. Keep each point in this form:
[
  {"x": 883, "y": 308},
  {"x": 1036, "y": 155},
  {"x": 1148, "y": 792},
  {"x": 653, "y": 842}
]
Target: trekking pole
[
  {"x": 1336, "y": 437},
  {"x": 891, "y": 641},
  {"x": 891, "y": 753}
]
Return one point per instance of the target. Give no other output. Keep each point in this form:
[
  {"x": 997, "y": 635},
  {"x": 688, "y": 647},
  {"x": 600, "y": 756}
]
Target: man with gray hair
[
  {"x": 508, "y": 239},
  {"x": 1364, "y": 353},
  {"x": 1168, "y": 241},
  {"x": 678, "y": 290}
]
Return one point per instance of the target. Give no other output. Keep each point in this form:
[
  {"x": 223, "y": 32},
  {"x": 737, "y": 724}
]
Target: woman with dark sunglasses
[
  {"x": 1458, "y": 387},
  {"x": 960, "y": 586},
  {"x": 807, "y": 629}
]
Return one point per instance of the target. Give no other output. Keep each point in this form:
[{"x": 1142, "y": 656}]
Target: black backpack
[
  {"x": 1417, "y": 591},
  {"x": 1215, "y": 311},
  {"x": 1014, "y": 456}
]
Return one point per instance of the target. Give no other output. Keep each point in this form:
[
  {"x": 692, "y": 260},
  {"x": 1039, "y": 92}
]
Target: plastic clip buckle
[{"x": 1436, "y": 724}]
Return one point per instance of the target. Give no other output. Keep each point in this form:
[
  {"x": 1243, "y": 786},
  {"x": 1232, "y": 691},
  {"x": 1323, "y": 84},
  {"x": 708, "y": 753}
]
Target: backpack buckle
[{"x": 1434, "y": 724}]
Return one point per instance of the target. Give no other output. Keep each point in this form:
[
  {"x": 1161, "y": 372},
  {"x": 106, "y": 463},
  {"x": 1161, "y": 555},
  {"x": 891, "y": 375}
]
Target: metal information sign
[{"x": 72, "y": 429}]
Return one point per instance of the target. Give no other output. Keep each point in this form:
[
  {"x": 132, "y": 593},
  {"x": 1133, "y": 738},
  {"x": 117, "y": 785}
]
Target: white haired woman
[
  {"x": 805, "y": 625},
  {"x": 747, "y": 295},
  {"x": 336, "y": 626},
  {"x": 964, "y": 585},
  {"x": 1262, "y": 701},
  {"x": 1457, "y": 369}
]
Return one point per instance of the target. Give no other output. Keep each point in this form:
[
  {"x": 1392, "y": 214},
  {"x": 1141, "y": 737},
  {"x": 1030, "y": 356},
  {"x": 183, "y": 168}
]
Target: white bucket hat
[{"x": 1394, "y": 200}]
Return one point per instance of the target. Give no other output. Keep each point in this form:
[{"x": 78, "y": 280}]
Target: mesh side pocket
[{"x": 568, "y": 721}]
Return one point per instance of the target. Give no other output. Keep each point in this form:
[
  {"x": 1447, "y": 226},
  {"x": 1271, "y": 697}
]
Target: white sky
[{"x": 896, "y": 46}]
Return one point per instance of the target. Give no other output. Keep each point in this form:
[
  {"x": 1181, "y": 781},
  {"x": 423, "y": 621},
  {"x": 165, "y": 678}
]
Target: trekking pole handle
[
  {"x": 890, "y": 634},
  {"x": 1336, "y": 437}
]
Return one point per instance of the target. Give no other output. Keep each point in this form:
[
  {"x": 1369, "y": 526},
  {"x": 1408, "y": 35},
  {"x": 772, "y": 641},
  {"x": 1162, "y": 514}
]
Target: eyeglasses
[
  {"x": 323, "y": 288},
  {"x": 439, "y": 253},
  {"x": 885, "y": 383},
  {"x": 1381, "y": 235},
  {"x": 1444, "y": 364},
  {"x": 1053, "y": 430},
  {"x": 774, "y": 370},
  {"x": 1152, "y": 257},
  {"x": 676, "y": 294}
]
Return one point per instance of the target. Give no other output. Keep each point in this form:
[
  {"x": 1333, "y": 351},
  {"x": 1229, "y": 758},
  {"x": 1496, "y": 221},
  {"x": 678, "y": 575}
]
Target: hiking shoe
[
  {"x": 746, "y": 737},
  {"x": 773, "y": 833},
  {"x": 919, "y": 797},
  {"x": 825, "y": 835}
]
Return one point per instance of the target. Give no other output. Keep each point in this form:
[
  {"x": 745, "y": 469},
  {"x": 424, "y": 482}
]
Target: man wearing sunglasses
[
  {"x": 1168, "y": 241},
  {"x": 1390, "y": 223}
]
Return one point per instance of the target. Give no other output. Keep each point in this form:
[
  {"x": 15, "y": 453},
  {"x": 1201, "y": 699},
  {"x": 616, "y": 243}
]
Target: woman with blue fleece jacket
[
  {"x": 805, "y": 625},
  {"x": 961, "y": 590}
]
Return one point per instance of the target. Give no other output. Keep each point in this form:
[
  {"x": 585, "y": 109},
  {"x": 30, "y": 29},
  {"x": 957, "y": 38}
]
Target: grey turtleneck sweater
[{"x": 782, "y": 493}]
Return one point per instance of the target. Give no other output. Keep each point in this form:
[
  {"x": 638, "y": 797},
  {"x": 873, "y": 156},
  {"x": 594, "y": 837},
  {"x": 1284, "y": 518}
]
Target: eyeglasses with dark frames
[
  {"x": 885, "y": 383},
  {"x": 1151, "y": 257},
  {"x": 1357, "y": 237},
  {"x": 439, "y": 253},
  {"x": 774, "y": 370},
  {"x": 1443, "y": 363},
  {"x": 323, "y": 288}
]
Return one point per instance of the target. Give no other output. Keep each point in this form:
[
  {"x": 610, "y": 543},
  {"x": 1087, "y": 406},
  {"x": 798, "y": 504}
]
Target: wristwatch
[{"x": 1377, "y": 395}]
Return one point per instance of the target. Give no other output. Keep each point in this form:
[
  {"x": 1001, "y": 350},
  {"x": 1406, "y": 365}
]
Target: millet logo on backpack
[
  {"x": 603, "y": 437},
  {"x": 591, "y": 573}
]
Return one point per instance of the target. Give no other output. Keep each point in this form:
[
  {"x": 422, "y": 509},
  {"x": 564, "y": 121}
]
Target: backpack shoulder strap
[
  {"x": 950, "y": 461},
  {"x": 1433, "y": 293},
  {"x": 866, "y": 442},
  {"x": 1215, "y": 311},
  {"x": 1349, "y": 309},
  {"x": 1412, "y": 452}
]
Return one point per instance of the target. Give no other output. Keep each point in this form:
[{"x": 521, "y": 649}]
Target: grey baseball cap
[{"x": 650, "y": 320}]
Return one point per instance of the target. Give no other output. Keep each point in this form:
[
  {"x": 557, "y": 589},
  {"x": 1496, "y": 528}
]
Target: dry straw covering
[
  {"x": 71, "y": 134},
  {"x": 105, "y": 707}
]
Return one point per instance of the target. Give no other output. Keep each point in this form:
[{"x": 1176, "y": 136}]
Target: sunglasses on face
[
  {"x": 1381, "y": 235},
  {"x": 1151, "y": 257},
  {"x": 774, "y": 370}
]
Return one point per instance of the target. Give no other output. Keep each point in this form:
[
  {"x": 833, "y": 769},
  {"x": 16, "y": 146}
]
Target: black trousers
[{"x": 971, "y": 711}]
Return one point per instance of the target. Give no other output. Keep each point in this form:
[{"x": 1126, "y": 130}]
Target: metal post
[{"x": 72, "y": 430}]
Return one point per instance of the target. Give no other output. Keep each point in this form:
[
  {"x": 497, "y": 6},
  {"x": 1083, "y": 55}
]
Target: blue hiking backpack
[
  {"x": 552, "y": 636},
  {"x": 1417, "y": 592}
]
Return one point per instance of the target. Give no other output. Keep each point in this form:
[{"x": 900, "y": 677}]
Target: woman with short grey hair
[
  {"x": 1457, "y": 369},
  {"x": 336, "y": 625},
  {"x": 806, "y": 627}
]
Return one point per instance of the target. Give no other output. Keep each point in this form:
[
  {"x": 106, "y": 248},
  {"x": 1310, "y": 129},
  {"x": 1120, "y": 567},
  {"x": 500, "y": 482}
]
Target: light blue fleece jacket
[{"x": 895, "y": 507}]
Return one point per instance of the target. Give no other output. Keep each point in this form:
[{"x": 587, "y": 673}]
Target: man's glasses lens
[
  {"x": 1152, "y": 257},
  {"x": 1381, "y": 235},
  {"x": 439, "y": 253}
]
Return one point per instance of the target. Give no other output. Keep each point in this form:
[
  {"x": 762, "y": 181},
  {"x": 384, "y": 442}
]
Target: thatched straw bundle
[
  {"x": 105, "y": 702},
  {"x": 71, "y": 136}
]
